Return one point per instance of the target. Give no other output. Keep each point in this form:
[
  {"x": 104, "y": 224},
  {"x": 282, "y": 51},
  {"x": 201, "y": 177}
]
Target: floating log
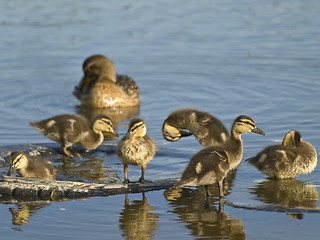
[{"x": 19, "y": 188}]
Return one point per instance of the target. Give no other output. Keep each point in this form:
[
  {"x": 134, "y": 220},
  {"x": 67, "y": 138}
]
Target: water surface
[{"x": 227, "y": 58}]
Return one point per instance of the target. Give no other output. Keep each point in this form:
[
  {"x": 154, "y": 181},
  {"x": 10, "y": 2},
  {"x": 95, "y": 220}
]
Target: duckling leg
[
  {"x": 70, "y": 152},
  {"x": 143, "y": 169},
  {"x": 220, "y": 186},
  {"x": 125, "y": 169},
  {"x": 207, "y": 190}
]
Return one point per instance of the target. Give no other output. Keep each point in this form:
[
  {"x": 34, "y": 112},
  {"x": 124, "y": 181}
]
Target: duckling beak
[
  {"x": 114, "y": 132},
  {"x": 11, "y": 171},
  {"x": 184, "y": 133},
  {"x": 258, "y": 131}
]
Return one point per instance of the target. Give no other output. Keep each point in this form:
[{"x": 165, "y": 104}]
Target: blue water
[{"x": 225, "y": 57}]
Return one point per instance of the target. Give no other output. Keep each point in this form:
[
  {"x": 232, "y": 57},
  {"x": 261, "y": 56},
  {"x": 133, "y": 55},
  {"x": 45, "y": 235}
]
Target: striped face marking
[
  {"x": 104, "y": 125},
  {"x": 138, "y": 129}
]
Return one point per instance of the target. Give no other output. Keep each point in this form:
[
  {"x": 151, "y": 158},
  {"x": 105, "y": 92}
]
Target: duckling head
[
  {"x": 18, "y": 160},
  {"x": 137, "y": 127},
  {"x": 245, "y": 124},
  {"x": 173, "y": 134},
  {"x": 102, "y": 123},
  {"x": 291, "y": 139},
  {"x": 94, "y": 67}
]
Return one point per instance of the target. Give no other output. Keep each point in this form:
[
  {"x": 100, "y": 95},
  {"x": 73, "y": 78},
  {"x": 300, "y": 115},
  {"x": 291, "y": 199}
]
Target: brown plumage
[
  {"x": 207, "y": 129},
  {"x": 136, "y": 148},
  {"x": 31, "y": 167},
  {"x": 292, "y": 158},
  {"x": 102, "y": 88},
  {"x": 69, "y": 129},
  {"x": 212, "y": 164}
]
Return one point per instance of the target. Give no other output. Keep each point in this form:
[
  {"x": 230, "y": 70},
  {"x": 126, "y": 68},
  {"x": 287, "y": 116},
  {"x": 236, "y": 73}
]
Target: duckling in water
[
  {"x": 292, "y": 158},
  {"x": 101, "y": 87},
  {"x": 136, "y": 148},
  {"x": 207, "y": 129},
  {"x": 212, "y": 164},
  {"x": 32, "y": 167},
  {"x": 69, "y": 129}
]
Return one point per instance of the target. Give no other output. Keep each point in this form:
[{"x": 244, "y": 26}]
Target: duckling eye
[{"x": 136, "y": 127}]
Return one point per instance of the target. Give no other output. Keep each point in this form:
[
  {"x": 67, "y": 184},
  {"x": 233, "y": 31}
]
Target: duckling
[
  {"x": 70, "y": 129},
  {"x": 136, "y": 148},
  {"x": 292, "y": 158},
  {"x": 212, "y": 164},
  {"x": 207, "y": 129},
  {"x": 31, "y": 167},
  {"x": 101, "y": 87}
]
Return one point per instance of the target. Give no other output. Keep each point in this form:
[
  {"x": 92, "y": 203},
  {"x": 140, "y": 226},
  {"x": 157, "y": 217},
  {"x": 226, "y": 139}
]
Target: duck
[
  {"x": 284, "y": 161},
  {"x": 101, "y": 87},
  {"x": 207, "y": 129},
  {"x": 136, "y": 148},
  {"x": 31, "y": 167},
  {"x": 70, "y": 129},
  {"x": 212, "y": 164}
]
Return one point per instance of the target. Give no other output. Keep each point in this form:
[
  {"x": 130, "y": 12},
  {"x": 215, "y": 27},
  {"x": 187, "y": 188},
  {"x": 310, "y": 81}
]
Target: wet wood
[{"x": 35, "y": 189}]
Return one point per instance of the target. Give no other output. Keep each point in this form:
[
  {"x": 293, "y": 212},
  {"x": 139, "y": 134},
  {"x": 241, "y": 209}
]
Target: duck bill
[
  {"x": 114, "y": 132},
  {"x": 258, "y": 131},
  {"x": 184, "y": 133},
  {"x": 11, "y": 171}
]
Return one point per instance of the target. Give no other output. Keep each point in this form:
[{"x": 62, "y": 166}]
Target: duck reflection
[
  {"x": 116, "y": 114},
  {"x": 90, "y": 168},
  {"x": 204, "y": 220},
  {"x": 24, "y": 210},
  {"x": 289, "y": 193},
  {"x": 137, "y": 221}
]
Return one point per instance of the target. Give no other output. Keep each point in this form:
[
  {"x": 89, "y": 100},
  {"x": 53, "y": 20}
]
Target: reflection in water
[
  {"x": 115, "y": 114},
  {"x": 202, "y": 219},
  {"x": 289, "y": 193},
  {"x": 137, "y": 221},
  {"x": 90, "y": 167},
  {"x": 24, "y": 210}
]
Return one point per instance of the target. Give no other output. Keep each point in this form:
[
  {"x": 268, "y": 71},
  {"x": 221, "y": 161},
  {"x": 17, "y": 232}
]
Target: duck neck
[
  {"x": 94, "y": 139},
  {"x": 235, "y": 147}
]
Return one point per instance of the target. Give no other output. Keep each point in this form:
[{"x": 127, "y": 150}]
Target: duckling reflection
[
  {"x": 90, "y": 168},
  {"x": 288, "y": 193},
  {"x": 204, "y": 220},
  {"x": 137, "y": 220},
  {"x": 24, "y": 211}
]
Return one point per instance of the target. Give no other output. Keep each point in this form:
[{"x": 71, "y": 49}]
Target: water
[{"x": 227, "y": 58}]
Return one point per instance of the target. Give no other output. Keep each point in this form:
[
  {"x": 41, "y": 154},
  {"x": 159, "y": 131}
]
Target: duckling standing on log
[
  {"x": 207, "y": 129},
  {"x": 292, "y": 158},
  {"x": 69, "y": 129},
  {"x": 31, "y": 167},
  {"x": 102, "y": 88},
  {"x": 136, "y": 148},
  {"x": 212, "y": 164}
]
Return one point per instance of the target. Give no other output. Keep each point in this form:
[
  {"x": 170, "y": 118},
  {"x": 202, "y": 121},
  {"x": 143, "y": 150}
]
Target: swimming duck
[
  {"x": 31, "y": 167},
  {"x": 136, "y": 148},
  {"x": 207, "y": 129},
  {"x": 212, "y": 164},
  {"x": 102, "y": 88},
  {"x": 70, "y": 129},
  {"x": 292, "y": 158}
]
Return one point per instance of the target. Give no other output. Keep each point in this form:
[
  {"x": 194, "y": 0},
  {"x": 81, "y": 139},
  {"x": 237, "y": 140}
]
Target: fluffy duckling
[
  {"x": 207, "y": 129},
  {"x": 136, "y": 148},
  {"x": 212, "y": 164},
  {"x": 101, "y": 87},
  {"x": 292, "y": 158},
  {"x": 31, "y": 167},
  {"x": 69, "y": 129}
]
